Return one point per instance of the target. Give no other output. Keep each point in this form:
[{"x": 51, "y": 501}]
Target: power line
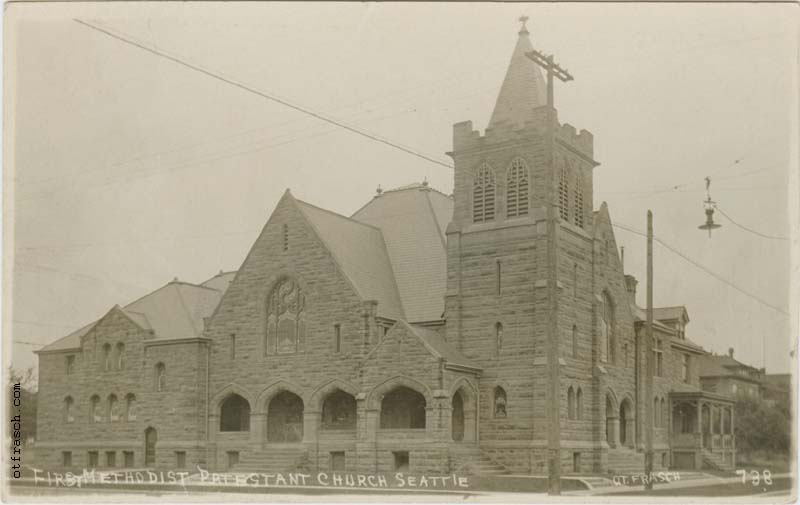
[
  {"x": 703, "y": 268},
  {"x": 262, "y": 94},
  {"x": 745, "y": 228}
]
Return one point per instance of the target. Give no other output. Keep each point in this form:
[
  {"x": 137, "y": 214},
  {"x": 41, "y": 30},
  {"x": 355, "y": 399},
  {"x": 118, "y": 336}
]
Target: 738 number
[{"x": 755, "y": 477}]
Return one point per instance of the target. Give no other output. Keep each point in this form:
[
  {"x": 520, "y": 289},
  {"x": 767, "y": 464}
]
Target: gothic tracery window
[
  {"x": 483, "y": 195},
  {"x": 285, "y": 318},
  {"x": 517, "y": 189}
]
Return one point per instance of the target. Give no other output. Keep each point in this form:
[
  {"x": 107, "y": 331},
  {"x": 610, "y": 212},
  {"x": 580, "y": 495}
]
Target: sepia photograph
[{"x": 431, "y": 252}]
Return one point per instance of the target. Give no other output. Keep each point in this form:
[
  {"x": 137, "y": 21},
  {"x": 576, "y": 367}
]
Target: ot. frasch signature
[
  {"x": 642, "y": 478},
  {"x": 254, "y": 479}
]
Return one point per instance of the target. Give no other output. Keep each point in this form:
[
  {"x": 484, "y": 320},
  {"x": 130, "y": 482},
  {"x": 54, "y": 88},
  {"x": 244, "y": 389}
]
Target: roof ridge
[
  {"x": 436, "y": 221},
  {"x": 337, "y": 214},
  {"x": 186, "y": 311}
]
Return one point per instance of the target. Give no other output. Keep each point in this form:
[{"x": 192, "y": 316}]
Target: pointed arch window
[
  {"x": 160, "y": 377},
  {"x": 130, "y": 407},
  {"x": 120, "y": 356},
  {"x": 96, "y": 414},
  {"x": 563, "y": 193},
  {"x": 579, "y": 404},
  {"x": 113, "y": 408},
  {"x": 106, "y": 357},
  {"x": 286, "y": 325},
  {"x": 483, "y": 193},
  {"x": 517, "y": 189},
  {"x": 499, "y": 403},
  {"x": 69, "y": 414}
]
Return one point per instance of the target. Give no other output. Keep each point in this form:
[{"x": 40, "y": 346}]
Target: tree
[
  {"x": 761, "y": 427},
  {"x": 27, "y": 400}
]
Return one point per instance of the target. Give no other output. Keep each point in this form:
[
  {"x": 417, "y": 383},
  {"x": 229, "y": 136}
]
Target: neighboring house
[
  {"x": 726, "y": 375},
  {"x": 410, "y": 336},
  {"x": 777, "y": 388}
]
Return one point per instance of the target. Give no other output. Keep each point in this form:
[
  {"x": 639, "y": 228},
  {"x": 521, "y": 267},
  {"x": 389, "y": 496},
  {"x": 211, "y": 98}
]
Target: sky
[{"x": 124, "y": 170}]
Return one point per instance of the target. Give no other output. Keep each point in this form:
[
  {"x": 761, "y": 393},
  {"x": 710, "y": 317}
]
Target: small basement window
[
  {"x": 338, "y": 461},
  {"x": 400, "y": 461}
]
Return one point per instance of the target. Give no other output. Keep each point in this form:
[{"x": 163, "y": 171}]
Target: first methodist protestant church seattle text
[{"x": 410, "y": 336}]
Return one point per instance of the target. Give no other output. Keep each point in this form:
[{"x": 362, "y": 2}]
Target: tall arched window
[
  {"x": 69, "y": 414},
  {"x": 498, "y": 337},
  {"x": 285, "y": 318},
  {"x": 120, "y": 356},
  {"x": 130, "y": 407},
  {"x": 106, "y": 357},
  {"x": 113, "y": 408},
  {"x": 664, "y": 414},
  {"x": 96, "y": 414},
  {"x": 577, "y": 212},
  {"x": 563, "y": 192},
  {"x": 499, "y": 402},
  {"x": 483, "y": 195},
  {"x": 570, "y": 403},
  {"x": 161, "y": 377},
  {"x": 608, "y": 344},
  {"x": 579, "y": 403},
  {"x": 517, "y": 189}
]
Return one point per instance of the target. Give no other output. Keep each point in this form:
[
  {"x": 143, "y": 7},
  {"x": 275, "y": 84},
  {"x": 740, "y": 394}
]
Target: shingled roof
[
  {"x": 523, "y": 89},
  {"x": 413, "y": 220},
  {"x": 360, "y": 251},
  {"x": 176, "y": 310}
]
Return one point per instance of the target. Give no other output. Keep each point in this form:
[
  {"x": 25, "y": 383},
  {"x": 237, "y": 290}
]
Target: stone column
[
  {"x": 613, "y": 428},
  {"x": 257, "y": 428},
  {"x": 470, "y": 424},
  {"x": 311, "y": 420}
]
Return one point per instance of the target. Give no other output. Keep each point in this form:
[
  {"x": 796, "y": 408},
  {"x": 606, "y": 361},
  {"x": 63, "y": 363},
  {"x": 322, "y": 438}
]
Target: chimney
[
  {"x": 630, "y": 286},
  {"x": 730, "y": 351}
]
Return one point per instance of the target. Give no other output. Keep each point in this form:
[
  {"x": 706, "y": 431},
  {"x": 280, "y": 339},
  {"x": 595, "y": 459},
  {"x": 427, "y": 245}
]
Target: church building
[{"x": 414, "y": 336}]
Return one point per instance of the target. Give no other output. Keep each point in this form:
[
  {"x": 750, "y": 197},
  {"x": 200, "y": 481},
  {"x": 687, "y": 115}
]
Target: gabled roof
[
  {"x": 175, "y": 310},
  {"x": 440, "y": 348},
  {"x": 671, "y": 313},
  {"x": 360, "y": 251},
  {"x": 413, "y": 220},
  {"x": 221, "y": 281},
  {"x": 523, "y": 89}
]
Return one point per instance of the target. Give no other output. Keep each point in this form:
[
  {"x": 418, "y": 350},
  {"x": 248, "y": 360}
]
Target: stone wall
[{"x": 176, "y": 413}]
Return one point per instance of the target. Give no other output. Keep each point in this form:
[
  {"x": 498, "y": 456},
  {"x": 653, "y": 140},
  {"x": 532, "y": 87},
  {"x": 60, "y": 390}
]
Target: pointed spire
[{"x": 524, "y": 87}]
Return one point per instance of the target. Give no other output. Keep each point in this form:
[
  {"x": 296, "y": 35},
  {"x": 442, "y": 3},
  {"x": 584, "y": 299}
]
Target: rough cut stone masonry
[{"x": 314, "y": 354}]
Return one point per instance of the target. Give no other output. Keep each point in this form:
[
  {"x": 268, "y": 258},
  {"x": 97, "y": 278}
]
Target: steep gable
[{"x": 360, "y": 252}]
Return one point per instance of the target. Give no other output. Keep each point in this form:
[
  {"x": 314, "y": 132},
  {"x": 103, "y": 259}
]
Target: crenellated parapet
[{"x": 466, "y": 138}]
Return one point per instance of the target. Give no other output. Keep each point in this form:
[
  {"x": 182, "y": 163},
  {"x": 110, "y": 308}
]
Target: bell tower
[{"x": 498, "y": 307}]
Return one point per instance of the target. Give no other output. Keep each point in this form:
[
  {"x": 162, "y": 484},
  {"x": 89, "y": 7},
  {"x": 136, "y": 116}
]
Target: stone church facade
[{"x": 411, "y": 336}]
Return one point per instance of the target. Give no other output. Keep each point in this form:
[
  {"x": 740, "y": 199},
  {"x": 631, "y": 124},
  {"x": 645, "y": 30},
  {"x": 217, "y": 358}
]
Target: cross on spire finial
[{"x": 524, "y": 28}]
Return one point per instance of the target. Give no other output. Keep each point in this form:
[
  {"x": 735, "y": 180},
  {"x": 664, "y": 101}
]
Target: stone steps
[
  {"x": 625, "y": 462},
  {"x": 714, "y": 461},
  {"x": 272, "y": 460},
  {"x": 473, "y": 461}
]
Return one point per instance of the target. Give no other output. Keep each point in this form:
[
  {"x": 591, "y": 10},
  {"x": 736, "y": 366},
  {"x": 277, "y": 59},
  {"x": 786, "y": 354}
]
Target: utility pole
[
  {"x": 553, "y": 355},
  {"x": 649, "y": 358}
]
